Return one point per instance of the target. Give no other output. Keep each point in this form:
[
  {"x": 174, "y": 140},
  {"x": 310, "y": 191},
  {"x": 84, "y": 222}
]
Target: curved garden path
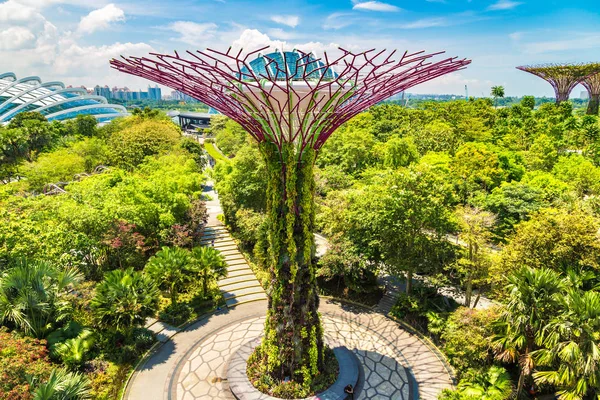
[{"x": 193, "y": 364}]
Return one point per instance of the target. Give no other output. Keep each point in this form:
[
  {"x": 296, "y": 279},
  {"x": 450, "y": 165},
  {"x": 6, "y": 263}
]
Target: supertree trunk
[
  {"x": 293, "y": 342},
  {"x": 593, "y": 104}
]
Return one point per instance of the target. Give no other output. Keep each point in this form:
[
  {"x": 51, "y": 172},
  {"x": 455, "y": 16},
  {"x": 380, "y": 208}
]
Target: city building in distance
[
  {"x": 52, "y": 99},
  {"x": 125, "y": 94}
]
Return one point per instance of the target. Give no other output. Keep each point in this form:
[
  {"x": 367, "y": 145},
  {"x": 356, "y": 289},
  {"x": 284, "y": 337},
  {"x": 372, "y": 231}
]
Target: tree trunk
[
  {"x": 593, "y": 103},
  {"x": 409, "y": 279},
  {"x": 468, "y": 290},
  {"x": 477, "y": 298},
  {"x": 293, "y": 342}
]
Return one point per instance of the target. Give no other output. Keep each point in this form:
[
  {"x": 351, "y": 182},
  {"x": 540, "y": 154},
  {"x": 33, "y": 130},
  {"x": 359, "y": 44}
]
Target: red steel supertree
[
  {"x": 562, "y": 77},
  {"x": 291, "y": 103}
]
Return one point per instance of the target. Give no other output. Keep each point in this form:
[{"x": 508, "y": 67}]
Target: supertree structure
[
  {"x": 562, "y": 77},
  {"x": 291, "y": 103},
  {"x": 592, "y": 84}
]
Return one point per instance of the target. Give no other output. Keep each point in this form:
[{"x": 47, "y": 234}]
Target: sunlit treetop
[
  {"x": 293, "y": 96},
  {"x": 562, "y": 77},
  {"x": 592, "y": 83}
]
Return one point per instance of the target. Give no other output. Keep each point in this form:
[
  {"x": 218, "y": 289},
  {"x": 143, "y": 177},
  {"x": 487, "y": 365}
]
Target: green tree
[
  {"x": 570, "y": 360},
  {"x": 124, "y": 299},
  {"x": 474, "y": 225},
  {"x": 34, "y": 296},
  {"x": 398, "y": 152},
  {"x": 211, "y": 265},
  {"x": 172, "y": 269},
  {"x": 139, "y": 138},
  {"x": 497, "y": 93},
  {"x": 528, "y": 102},
  {"x": 532, "y": 301},
  {"x": 558, "y": 239},
  {"x": 477, "y": 168},
  {"x": 543, "y": 153}
]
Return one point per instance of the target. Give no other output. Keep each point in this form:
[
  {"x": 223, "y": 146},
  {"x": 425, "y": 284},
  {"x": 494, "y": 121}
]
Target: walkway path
[
  {"x": 395, "y": 364},
  {"x": 240, "y": 285}
]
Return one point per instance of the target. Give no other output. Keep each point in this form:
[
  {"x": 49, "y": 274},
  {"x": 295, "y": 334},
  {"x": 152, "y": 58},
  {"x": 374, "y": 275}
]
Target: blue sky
[{"x": 72, "y": 40}]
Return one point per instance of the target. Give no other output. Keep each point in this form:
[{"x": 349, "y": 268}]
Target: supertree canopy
[
  {"x": 290, "y": 102},
  {"x": 562, "y": 77},
  {"x": 592, "y": 84}
]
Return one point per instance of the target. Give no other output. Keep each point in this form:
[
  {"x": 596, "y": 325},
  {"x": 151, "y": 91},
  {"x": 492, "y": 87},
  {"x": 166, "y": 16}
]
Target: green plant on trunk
[{"x": 293, "y": 342}]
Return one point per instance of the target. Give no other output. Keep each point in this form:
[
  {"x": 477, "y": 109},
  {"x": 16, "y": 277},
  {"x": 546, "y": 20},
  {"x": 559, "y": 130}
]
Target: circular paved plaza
[{"x": 394, "y": 363}]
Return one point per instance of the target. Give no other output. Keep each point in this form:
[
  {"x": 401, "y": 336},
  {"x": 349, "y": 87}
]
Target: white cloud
[
  {"x": 16, "y": 37},
  {"x": 252, "y": 39},
  {"x": 516, "y": 36},
  {"x": 74, "y": 58},
  {"x": 578, "y": 43},
  {"x": 337, "y": 21},
  {"x": 375, "y": 6},
  {"x": 100, "y": 19},
  {"x": 192, "y": 32},
  {"x": 290, "y": 20},
  {"x": 278, "y": 33},
  {"x": 12, "y": 11},
  {"x": 425, "y": 23},
  {"x": 504, "y": 5}
]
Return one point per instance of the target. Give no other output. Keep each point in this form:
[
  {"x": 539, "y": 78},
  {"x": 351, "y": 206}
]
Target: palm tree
[
  {"x": 171, "y": 268},
  {"x": 63, "y": 385},
  {"x": 124, "y": 299},
  {"x": 497, "y": 92},
  {"x": 211, "y": 264},
  {"x": 572, "y": 353},
  {"x": 533, "y": 300},
  {"x": 33, "y": 295},
  {"x": 493, "y": 384}
]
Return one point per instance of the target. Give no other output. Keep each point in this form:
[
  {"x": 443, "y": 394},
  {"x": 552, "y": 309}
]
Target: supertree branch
[
  {"x": 592, "y": 85},
  {"x": 301, "y": 101},
  {"x": 562, "y": 77}
]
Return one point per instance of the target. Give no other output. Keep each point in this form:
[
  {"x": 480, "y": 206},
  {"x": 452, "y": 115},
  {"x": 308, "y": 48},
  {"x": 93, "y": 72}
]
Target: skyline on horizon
[{"x": 63, "y": 40}]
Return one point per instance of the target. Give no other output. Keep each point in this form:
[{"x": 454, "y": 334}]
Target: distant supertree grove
[
  {"x": 290, "y": 103},
  {"x": 592, "y": 84},
  {"x": 562, "y": 77}
]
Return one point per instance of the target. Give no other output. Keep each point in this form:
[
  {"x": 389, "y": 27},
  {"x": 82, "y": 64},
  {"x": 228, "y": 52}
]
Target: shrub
[
  {"x": 21, "y": 358},
  {"x": 176, "y": 314},
  {"x": 467, "y": 338}
]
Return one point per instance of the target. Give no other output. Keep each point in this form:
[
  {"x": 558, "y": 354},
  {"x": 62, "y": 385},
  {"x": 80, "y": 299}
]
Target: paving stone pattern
[
  {"x": 240, "y": 286},
  {"x": 203, "y": 373}
]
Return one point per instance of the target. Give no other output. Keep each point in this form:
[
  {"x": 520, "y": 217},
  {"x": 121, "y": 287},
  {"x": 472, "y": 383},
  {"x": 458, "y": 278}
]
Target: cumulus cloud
[
  {"x": 290, "y": 20},
  {"x": 504, "y": 5},
  {"x": 252, "y": 39},
  {"x": 15, "y": 12},
  {"x": 375, "y": 6},
  {"x": 192, "y": 32},
  {"x": 100, "y": 19},
  {"x": 16, "y": 37}
]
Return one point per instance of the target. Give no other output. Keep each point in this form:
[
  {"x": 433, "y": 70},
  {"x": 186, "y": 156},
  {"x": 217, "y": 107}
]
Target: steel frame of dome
[{"x": 50, "y": 99}]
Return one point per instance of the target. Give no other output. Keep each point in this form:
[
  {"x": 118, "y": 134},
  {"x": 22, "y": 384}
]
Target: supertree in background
[
  {"x": 290, "y": 103},
  {"x": 592, "y": 85},
  {"x": 562, "y": 77}
]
